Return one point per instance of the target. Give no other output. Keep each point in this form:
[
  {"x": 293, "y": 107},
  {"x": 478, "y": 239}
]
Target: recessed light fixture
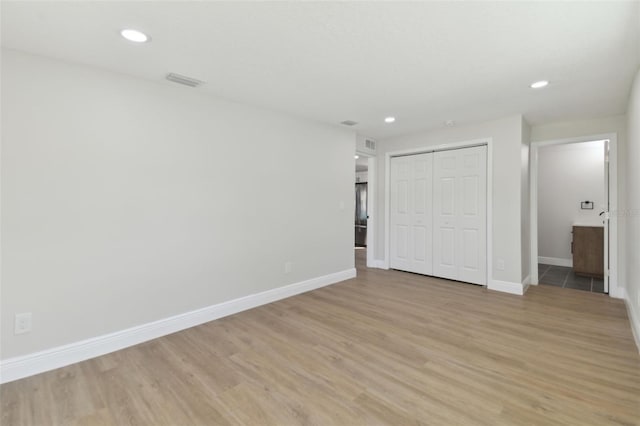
[
  {"x": 539, "y": 84},
  {"x": 389, "y": 119},
  {"x": 449, "y": 123},
  {"x": 356, "y": 156},
  {"x": 134, "y": 35}
]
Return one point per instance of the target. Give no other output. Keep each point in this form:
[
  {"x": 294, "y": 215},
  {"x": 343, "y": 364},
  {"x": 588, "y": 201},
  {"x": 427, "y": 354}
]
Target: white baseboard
[
  {"x": 377, "y": 263},
  {"x": 526, "y": 281},
  {"x": 555, "y": 261},
  {"x": 507, "y": 287},
  {"x": 27, "y": 365},
  {"x": 617, "y": 293},
  {"x": 634, "y": 316}
]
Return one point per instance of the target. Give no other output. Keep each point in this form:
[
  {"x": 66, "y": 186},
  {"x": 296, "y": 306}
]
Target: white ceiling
[{"x": 423, "y": 62}]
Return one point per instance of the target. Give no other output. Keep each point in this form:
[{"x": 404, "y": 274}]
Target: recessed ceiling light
[
  {"x": 389, "y": 119},
  {"x": 539, "y": 84},
  {"x": 134, "y": 36},
  {"x": 356, "y": 156},
  {"x": 449, "y": 123}
]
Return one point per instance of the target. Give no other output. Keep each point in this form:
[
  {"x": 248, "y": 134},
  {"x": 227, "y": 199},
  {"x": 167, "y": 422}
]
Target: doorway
[
  {"x": 364, "y": 196},
  {"x": 573, "y": 235},
  {"x": 361, "y": 208}
]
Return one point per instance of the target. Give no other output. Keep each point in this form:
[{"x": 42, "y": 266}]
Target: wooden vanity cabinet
[{"x": 588, "y": 251}]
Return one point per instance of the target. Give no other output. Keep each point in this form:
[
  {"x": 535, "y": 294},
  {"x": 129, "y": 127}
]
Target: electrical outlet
[
  {"x": 500, "y": 265},
  {"x": 22, "y": 323},
  {"x": 288, "y": 267}
]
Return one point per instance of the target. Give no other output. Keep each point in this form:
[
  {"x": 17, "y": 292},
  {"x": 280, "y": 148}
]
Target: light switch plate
[{"x": 22, "y": 323}]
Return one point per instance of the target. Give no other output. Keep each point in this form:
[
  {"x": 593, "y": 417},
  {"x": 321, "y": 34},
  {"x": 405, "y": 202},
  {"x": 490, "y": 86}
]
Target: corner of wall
[
  {"x": 507, "y": 287},
  {"x": 630, "y": 215},
  {"x": 525, "y": 217},
  {"x": 634, "y": 316}
]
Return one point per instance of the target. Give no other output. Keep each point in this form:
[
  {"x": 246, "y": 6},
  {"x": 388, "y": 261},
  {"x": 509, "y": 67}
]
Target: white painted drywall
[
  {"x": 126, "y": 201},
  {"x": 525, "y": 211},
  {"x": 506, "y": 135},
  {"x": 567, "y": 175},
  {"x": 599, "y": 126},
  {"x": 632, "y": 212}
]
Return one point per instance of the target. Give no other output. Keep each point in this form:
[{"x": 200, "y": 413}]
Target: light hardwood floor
[{"x": 386, "y": 348}]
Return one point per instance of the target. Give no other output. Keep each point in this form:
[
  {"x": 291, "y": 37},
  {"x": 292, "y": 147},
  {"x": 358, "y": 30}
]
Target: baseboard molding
[
  {"x": 526, "y": 282},
  {"x": 507, "y": 287},
  {"x": 23, "y": 366},
  {"x": 634, "y": 317},
  {"x": 379, "y": 264},
  {"x": 555, "y": 261},
  {"x": 617, "y": 293}
]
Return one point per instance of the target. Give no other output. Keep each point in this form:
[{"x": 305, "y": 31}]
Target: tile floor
[{"x": 561, "y": 276}]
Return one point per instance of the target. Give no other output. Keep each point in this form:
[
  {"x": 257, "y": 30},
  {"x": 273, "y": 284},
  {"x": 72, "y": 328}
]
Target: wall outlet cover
[{"x": 22, "y": 323}]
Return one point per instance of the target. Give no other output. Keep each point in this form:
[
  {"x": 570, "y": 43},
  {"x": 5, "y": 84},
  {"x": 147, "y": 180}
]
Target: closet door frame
[{"x": 434, "y": 148}]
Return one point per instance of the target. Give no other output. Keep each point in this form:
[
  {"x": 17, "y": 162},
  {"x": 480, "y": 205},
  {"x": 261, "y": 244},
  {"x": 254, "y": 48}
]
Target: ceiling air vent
[
  {"x": 183, "y": 79},
  {"x": 369, "y": 144},
  {"x": 349, "y": 123}
]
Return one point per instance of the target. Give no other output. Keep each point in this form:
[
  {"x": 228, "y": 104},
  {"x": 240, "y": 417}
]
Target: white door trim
[
  {"x": 371, "y": 206},
  {"x": 614, "y": 290},
  {"x": 434, "y": 148}
]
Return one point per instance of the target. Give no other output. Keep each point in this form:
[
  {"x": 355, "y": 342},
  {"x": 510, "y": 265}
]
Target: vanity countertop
[{"x": 592, "y": 224}]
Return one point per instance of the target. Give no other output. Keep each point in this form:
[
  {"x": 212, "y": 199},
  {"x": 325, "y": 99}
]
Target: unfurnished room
[{"x": 320, "y": 213}]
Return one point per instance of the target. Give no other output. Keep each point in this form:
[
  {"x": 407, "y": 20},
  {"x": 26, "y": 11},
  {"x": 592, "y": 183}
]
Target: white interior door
[
  {"x": 460, "y": 214},
  {"x": 411, "y": 186}
]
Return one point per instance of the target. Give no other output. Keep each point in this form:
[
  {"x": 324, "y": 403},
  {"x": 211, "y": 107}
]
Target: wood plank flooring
[{"x": 386, "y": 348}]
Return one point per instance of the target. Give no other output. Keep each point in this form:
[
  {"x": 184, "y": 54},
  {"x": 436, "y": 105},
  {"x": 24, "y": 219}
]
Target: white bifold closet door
[
  {"x": 411, "y": 217},
  {"x": 438, "y": 214},
  {"x": 460, "y": 214}
]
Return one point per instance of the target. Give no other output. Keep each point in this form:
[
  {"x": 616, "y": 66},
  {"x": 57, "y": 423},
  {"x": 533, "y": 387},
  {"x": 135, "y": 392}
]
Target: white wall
[
  {"x": 567, "y": 175},
  {"x": 632, "y": 212},
  {"x": 590, "y": 127},
  {"x": 506, "y": 135},
  {"x": 127, "y": 201}
]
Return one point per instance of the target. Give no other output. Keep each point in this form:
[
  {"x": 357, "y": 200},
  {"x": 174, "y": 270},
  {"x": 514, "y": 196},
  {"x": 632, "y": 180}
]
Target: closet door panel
[
  {"x": 473, "y": 215},
  {"x": 445, "y": 207},
  {"x": 460, "y": 214},
  {"x": 400, "y": 217},
  {"x": 411, "y": 186},
  {"x": 422, "y": 213}
]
